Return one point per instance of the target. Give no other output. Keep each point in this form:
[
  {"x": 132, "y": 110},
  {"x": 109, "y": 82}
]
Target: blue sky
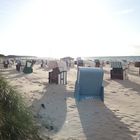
[{"x": 57, "y": 28}]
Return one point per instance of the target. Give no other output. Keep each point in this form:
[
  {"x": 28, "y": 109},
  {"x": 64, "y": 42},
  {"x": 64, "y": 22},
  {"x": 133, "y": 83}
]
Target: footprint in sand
[
  {"x": 115, "y": 110},
  {"x": 72, "y": 106},
  {"x": 71, "y": 87},
  {"x": 126, "y": 94},
  {"x": 113, "y": 91}
]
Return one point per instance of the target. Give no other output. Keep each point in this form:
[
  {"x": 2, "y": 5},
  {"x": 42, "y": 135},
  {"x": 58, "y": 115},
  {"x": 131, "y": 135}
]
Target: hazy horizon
[
  {"x": 74, "y": 57},
  {"x": 74, "y": 28}
]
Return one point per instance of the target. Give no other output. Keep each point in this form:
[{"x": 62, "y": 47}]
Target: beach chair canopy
[
  {"x": 116, "y": 64},
  {"x": 80, "y": 63},
  {"x": 52, "y": 64},
  {"x": 57, "y": 64},
  {"x": 119, "y": 64},
  {"x": 89, "y": 83}
]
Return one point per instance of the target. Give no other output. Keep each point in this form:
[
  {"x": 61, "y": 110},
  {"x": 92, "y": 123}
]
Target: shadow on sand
[
  {"x": 100, "y": 123},
  {"x": 129, "y": 84},
  {"x": 105, "y": 83},
  {"x": 13, "y": 73},
  {"x": 51, "y": 108},
  {"x": 97, "y": 120}
]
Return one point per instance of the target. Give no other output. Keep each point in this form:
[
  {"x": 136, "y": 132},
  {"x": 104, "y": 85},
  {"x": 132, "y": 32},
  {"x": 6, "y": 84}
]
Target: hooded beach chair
[
  {"x": 6, "y": 63},
  {"x": 58, "y": 75},
  {"x": 97, "y": 63},
  {"x": 80, "y": 63},
  {"x": 89, "y": 84},
  {"x": 28, "y": 67},
  {"x": 119, "y": 71}
]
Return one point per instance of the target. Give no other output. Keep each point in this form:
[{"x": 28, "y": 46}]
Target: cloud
[{"x": 124, "y": 12}]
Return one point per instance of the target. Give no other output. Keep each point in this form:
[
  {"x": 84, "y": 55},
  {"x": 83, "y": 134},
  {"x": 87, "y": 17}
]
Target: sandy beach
[{"x": 118, "y": 118}]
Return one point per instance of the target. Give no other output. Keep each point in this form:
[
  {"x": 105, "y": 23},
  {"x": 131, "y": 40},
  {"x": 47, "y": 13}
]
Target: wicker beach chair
[
  {"x": 118, "y": 71},
  {"x": 57, "y": 77},
  {"x": 28, "y": 67}
]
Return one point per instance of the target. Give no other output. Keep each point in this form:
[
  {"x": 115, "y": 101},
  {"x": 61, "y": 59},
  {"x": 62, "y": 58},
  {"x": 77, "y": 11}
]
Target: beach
[{"x": 118, "y": 118}]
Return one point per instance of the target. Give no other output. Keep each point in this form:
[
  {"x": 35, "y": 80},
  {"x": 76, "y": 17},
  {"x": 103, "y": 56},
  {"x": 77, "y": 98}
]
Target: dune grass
[{"x": 16, "y": 120}]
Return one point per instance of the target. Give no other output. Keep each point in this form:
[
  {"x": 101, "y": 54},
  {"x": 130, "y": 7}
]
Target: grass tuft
[{"x": 16, "y": 120}]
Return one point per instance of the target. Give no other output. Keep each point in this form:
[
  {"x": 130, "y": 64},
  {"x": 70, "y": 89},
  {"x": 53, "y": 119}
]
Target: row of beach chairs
[{"x": 89, "y": 83}]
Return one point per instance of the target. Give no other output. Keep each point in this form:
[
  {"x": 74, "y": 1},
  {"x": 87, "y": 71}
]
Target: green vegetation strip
[{"x": 16, "y": 120}]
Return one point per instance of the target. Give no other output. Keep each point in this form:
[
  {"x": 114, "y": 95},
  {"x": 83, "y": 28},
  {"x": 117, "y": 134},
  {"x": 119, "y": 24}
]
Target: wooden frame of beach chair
[
  {"x": 89, "y": 84},
  {"x": 62, "y": 78}
]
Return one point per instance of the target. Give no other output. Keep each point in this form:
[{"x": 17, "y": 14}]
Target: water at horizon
[
  {"x": 102, "y": 58},
  {"x": 116, "y": 58}
]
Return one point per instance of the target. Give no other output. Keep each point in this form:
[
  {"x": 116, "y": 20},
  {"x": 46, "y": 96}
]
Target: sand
[{"x": 118, "y": 118}]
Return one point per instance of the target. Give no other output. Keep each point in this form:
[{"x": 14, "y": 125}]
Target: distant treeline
[
  {"x": 2, "y": 55},
  {"x": 14, "y": 56}
]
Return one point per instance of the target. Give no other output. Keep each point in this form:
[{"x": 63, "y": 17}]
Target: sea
[
  {"x": 101, "y": 58},
  {"x": 115, "y": 58}
]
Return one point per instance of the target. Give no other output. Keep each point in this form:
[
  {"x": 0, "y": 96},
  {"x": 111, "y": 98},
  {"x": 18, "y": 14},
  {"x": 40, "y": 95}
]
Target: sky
[{"x": 58, "y": 28}]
